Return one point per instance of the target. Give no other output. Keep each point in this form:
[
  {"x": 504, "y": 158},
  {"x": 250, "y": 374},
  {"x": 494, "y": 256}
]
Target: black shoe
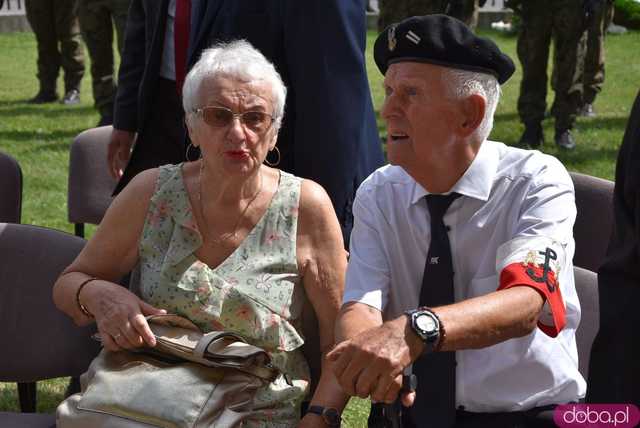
[
  {"x": 587, "y": 110},
  {"x": 43, "y": 97},
  {"x": 72, "y": 97},
  {"x": 532, "y": 136},
  {"x": 565, "y": 140}
]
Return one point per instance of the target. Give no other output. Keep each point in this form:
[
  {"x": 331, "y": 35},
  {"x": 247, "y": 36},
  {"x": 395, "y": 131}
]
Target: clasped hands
[{"x": 371, "y": 364}]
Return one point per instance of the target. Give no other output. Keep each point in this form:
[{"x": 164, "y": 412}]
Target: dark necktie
[
  {"x": 436, "y": 372},
  {"x": 181, "y": 27}
]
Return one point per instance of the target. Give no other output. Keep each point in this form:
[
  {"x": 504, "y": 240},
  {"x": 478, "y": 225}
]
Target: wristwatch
[
  {"x": 426, "y": 324},
  {"x": 329, "y": 415}
]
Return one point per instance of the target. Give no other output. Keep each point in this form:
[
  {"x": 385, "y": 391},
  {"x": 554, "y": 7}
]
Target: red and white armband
[{"x": 536, "y": 262}]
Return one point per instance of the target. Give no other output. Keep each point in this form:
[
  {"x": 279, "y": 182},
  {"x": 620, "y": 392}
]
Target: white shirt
[{"x": 507, "y": 194}]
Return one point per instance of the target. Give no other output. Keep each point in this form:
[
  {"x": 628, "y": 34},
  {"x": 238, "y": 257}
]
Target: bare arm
[
  {"x": 110, "y": 254},
  {"x": 322, "y": 260},
  {"x": 371, "y": 362}
]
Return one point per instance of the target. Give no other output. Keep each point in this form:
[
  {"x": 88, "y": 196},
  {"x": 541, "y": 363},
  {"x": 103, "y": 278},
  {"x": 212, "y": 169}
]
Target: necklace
[{"x": 228, "y": 235}]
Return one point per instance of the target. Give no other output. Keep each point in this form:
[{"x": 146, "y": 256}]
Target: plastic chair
[
  {"x": 594, "y": 219},
  {"x": 90, "y": 185},
  {"x": 10, "y": 189},
  {"x": 40, "y": 341},
  {"x": 587, "y": 288}
]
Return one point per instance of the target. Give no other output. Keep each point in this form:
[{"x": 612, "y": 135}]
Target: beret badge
[{"x": 391, "y": 37}]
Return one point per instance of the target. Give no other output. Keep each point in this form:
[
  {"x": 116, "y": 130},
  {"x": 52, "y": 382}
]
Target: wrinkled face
[
  {"x": 420, "y": 116},
  {"x": 237, "y": 146}
]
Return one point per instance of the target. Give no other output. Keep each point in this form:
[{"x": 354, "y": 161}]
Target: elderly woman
[{"x": 226, "y": 241}]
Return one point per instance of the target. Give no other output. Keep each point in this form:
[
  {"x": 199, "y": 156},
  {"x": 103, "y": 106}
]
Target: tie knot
[{"x": 439, "y": 204}]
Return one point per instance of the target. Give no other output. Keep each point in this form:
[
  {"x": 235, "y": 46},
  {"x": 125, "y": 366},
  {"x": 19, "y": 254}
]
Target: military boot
[
  {"x": 564, "y": 139},
  {"x": 43, "y": 97},
  {"x": 532, "y": 136}
]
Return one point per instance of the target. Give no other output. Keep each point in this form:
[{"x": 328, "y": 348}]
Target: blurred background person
[
  {"x": 542, "y": 19},
  {"x": 329, "y": 132},
  {"x": 466, "y": 11},
  {"x": 614, "y": 367},
  {"x": 57, "y": 32},
  {"x": 97, "y": 19},
  {"x": 396, "y": 10},
  {"x": 593, "y": 72}
]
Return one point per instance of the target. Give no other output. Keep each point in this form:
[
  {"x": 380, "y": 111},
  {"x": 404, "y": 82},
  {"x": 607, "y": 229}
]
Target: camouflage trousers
[
  {"x": 392, "y": 11},
  {"x": 97, "y": 20},
  {"x": 593, "y": 72},
  {"x": 542, "y": 19},
  {"x": 59, "y": 43}
]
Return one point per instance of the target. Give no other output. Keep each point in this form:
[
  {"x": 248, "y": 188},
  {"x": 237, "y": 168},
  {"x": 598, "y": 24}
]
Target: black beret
[{"x": 440, "y": 40}]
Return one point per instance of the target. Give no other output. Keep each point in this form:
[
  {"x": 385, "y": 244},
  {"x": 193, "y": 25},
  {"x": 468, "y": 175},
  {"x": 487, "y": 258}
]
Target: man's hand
[
  {"x": 372, "y": 363},
  {"x": 119, "y": 153}
]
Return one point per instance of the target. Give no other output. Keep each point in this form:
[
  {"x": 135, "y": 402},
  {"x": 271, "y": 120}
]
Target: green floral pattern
[{"x": 256, "y": 292}]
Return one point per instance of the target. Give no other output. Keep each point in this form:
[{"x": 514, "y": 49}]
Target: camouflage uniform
[
  {"x": 541, "y": 18},
  {"x": 392, "y": 11},
  {"x": 59, "y": 43},
  {"x": 466, "y": 11},
  {"x": 96, "y": 22},
  {"x": 593, "y": 76}
]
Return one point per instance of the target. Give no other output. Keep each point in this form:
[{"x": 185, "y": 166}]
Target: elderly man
[{"x": 494, "y": 344}]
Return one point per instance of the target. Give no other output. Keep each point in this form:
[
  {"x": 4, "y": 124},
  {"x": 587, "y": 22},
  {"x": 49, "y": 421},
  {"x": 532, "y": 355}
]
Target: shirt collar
[{"x": 477, "y": 180}]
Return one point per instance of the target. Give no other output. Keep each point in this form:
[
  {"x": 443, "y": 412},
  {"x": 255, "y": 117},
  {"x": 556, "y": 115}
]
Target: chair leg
[
  {"x": 79, "y": 229},
  {"x": 27, "y": 396}
]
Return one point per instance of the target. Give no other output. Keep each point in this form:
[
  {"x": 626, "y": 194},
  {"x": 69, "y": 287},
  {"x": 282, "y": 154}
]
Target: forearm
[
  {"x": 65, "y": 296},
  {"x": 355, "y": 318},
  {"x": 490, "y": 319},
  {"x": 328, "y": 393}
]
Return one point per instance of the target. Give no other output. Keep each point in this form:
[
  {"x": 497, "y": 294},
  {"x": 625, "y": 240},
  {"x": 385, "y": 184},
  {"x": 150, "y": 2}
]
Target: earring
[
  {"x": 276, "y": 163},
  {"x": 188, "y": 152}
]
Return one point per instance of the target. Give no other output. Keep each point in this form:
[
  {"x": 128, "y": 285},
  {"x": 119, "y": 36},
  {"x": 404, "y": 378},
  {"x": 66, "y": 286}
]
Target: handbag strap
[
  {"x": 249, "y": 361},
  {"x": 211, "y": 337}
]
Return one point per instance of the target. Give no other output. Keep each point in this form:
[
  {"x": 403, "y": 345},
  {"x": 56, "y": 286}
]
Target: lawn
[{"x": 39, "y": 138}]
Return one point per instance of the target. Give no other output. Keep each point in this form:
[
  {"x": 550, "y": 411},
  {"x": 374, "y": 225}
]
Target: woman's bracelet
[{"x": 82, "y": 307}]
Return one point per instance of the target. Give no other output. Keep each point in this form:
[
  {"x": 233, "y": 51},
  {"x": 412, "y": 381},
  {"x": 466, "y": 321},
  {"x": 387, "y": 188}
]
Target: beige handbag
[{"x": 189, "y": 380}]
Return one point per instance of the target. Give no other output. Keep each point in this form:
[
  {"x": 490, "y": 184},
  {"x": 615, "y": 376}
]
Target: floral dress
[{"x": 256, "y": 292}]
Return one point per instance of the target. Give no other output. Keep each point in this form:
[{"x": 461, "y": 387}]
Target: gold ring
[{"x": 117, "y": 336}]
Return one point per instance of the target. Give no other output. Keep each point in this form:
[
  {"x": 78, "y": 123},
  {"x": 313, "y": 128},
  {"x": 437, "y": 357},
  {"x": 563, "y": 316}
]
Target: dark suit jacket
[
  {"x": 329, "y": 131},
  {"x": 614, "y": 368}
]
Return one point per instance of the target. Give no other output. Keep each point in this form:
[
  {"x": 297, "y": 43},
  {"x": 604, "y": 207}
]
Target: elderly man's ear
[{"x": 473, "y": 110}]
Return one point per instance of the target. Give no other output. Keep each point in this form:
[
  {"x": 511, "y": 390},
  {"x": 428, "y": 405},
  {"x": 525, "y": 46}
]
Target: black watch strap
[{"x": 330, "y": 415}]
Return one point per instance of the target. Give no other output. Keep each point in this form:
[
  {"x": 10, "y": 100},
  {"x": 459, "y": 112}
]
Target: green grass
[{"x": 39, "y": 138}]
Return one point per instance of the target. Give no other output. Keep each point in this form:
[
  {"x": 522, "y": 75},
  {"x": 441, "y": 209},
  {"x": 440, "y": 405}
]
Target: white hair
[
  {"x": 236, "y": 59},
  {"x": 461, "y": 84}
]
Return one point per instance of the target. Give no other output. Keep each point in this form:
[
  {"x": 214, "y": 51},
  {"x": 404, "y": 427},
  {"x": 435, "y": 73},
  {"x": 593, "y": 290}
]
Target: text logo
[{"x": 596, "y": 415}]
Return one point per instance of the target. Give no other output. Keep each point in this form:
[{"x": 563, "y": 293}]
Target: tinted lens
[
  {"x": 217, "y": 116},
  {"x": 256, "y": 120},
  {"x": 221, "y": 117}
]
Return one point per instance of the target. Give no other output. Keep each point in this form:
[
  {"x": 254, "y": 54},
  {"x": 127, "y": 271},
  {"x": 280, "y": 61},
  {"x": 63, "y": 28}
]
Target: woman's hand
[{"x": 120, "y": 315}]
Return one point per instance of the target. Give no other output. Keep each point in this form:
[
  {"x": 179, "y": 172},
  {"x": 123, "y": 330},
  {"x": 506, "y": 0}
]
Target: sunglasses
[{"x": 221, "y": 117}]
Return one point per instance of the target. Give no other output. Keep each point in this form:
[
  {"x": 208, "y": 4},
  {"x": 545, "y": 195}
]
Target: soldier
[
  {"x": 466, "y": 11},
  {"x": 97, "y": 18},
  {"x": 397, "y": 10},
  {"x": 593, "y": 72},
  {"x": 563, "y": 18},
  {"x": 59, "y": 44}
]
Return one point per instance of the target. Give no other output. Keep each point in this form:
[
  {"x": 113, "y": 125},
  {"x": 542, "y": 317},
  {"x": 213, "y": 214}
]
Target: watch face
[{"x": 426, "y": 323}]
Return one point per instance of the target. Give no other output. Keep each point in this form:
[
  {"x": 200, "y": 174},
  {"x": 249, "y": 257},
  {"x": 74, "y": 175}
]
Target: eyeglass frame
[{"x": 200, "y": 110}]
